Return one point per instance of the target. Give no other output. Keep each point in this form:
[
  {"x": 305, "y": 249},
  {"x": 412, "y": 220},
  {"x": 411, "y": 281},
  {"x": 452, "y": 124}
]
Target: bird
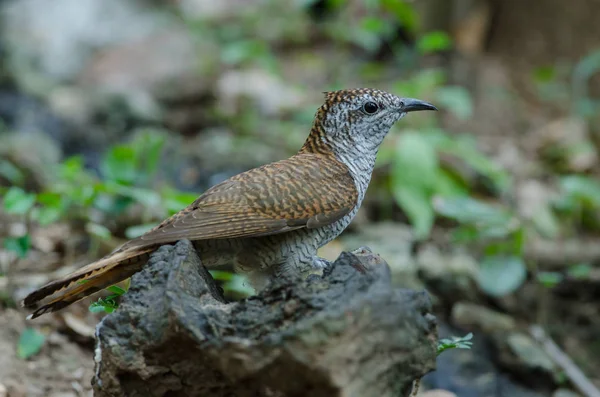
[{"x": 270, "y": 220}]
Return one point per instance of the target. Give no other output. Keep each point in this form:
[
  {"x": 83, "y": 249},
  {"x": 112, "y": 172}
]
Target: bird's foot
[
  {"x": 320, "y": 263},
  {"x": 318, "y": 267}
]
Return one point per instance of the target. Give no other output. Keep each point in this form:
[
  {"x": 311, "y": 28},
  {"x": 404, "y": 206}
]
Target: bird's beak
[{"x": 412, "y": 105}]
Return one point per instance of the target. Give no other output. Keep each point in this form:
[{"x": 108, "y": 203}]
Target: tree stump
[{"x": 346, "y": 333}]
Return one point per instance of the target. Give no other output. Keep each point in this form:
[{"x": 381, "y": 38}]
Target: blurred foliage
[
  {"x": 77, "y": 195},
  {"x": 569, "y": 84},
  {"x": 110, "y": 303},
  {"x": 579, "y": 202},
  {"x": 425, "y": 185},
  {"x": 234, "y": 286},
  {"x": 30, "y": 343}
]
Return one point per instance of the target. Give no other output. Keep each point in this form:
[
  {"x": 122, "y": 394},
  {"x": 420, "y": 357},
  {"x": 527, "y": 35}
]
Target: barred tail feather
[{"x": 87, "y": 281}]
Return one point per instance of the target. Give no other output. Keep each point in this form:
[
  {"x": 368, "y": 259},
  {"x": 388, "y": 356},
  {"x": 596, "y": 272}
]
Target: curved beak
[{"x": 413, "y": 105}]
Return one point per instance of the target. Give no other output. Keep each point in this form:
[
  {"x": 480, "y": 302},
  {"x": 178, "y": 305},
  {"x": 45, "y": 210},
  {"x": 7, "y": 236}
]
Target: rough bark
[{"x": 347, "y": 333}]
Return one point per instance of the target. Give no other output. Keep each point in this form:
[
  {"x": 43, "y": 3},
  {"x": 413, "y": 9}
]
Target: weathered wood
[{"x": 348, "y": 333}]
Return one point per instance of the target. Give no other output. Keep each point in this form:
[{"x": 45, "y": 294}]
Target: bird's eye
[{"x": 370, "y": 107}]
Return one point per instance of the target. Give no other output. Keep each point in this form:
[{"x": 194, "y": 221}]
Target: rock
[
  {"x": 60, "y": 40},
  {"x": 529, "y": 353},
  {"x": 208, "y": 9},
  {"x": 534, "y": 201},
  {"x": 117, "y": 47},
  {"x": 565, "y": 393},
  {"x": 31, "y": 152},
  {"x": 473, "y": 372},
  {"x": 63, "y": 394},
  {"x": 437, "y": 393},
  {"x": 393, "y": 241},
  {"x": 137, "y": 70},
  {"x": 566, "y": 144},
  {"x": 450, "y": 275},
  {"x": 469, "y": 315},
  {"x": 517, "y": 351},
  {"x": 346, "y": 333}
]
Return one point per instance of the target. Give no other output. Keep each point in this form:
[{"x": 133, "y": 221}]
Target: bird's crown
[{"x": 358, "y": 118}]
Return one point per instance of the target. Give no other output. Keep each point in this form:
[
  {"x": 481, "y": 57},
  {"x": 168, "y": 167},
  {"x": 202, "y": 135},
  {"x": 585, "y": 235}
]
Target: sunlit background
[{"x": 116, "y": 113}]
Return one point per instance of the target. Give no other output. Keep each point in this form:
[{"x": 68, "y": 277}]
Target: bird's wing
[{"x": 305, "y": 191}]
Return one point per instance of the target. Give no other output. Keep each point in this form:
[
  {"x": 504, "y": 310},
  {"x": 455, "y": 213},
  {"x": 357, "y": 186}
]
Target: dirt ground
[{"x": 62, "y": 368}]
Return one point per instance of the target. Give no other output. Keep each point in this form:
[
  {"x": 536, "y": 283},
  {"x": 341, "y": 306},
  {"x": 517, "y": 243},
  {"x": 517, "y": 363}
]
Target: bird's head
[{"x": 360, "y": 118}]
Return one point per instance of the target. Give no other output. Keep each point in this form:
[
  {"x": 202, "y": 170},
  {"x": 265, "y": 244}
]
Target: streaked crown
[{"x": 357, "y": 118}]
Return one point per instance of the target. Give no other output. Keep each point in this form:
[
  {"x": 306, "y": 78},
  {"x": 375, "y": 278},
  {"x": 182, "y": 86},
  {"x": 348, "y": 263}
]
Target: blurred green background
[{"x": 117, "y": 113}]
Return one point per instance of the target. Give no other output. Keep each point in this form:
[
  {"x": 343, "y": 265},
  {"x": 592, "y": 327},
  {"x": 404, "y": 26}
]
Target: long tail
[{"x": 88, "y": 280}]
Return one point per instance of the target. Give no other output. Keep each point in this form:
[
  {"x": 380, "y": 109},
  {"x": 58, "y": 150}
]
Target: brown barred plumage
[{"x": 269, "y": 219}]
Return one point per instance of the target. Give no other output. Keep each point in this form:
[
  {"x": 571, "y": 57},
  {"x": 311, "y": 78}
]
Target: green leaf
[
  {"x": 115, "y": 289},
  {"x": 239, "y": 285},
  {"x": 221, "y": 275},
  {"x": 464, "y": 147},
  {"x": 448, "y": 186},
  {"x": 51, "y": 209},
  {"x": 472, "y": 211},
  {"x": 97, "y": 307},
  {"x": 580, "y": 271},
  {"x": 420, "y": 84},
  {"x": 240, "y": 51},
  {"x": 489, "y": 221},
  {"x": 19, "y": 245},
  {"x": 46, "y": 216},
  {"x": 72, "y": 168},
  {"x": 112, "y": 203},
  {"x": 455, "y": 343},
  {"x": 549, "y": 279},
  {"x": 148, "y": 146},
  {"x": 433, "y": 42},
  {"x": 417, "y": 205},
  {"x": 107, "y": 305},
  {"x": 544, "y": 74},
  {"x": 585, "y": 69},
  {"x": 373, "y": 25},
  {"x": 404, "y": 12},
  {"x": 232, "y": 282},
  {"x": 17, "y": 201},
  {"x": 120, "y": 165},
  {"x": 30, "y": 343},
  {"x": 414, "y": 177},
  {"x": 147, "y": 197},
  {"x": 174, "y": 200},
  {"x": 457, "y": 100},
  {"x": 416, "y": 162},
  {"x": 98, "y": 230},
  {"x": 583, "y": 189},
  {"x": 501, "y": 275},
  {"x": 545, "y": 222},
  {"x": 137, "y": 230},
  {"x": 11, "y": 173}
]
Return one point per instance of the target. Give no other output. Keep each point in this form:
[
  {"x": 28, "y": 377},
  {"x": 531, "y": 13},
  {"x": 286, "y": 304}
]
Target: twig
[
  {"x": 573, "y": 372},
  {"x": 556, "y": 255},
  {"x": 415, "y": 387}
]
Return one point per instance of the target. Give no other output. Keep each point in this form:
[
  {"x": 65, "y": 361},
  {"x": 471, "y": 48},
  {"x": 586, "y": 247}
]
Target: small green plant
[
  {"x": 579, "y": 202},
  {"x": 110, "y": 303},
  {"x": 455, "y": 343},
  {"x": 235, "y": 285},
  {"x": 75, "y": 194},
  {"x": 30, "y": 343},
  {"x": 20, "y": 203}
]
